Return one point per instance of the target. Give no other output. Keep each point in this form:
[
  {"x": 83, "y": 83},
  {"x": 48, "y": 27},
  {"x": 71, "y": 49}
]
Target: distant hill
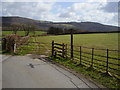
[
  {"x": 6, "y": 21},
  {"x": 45, "y": 25}
]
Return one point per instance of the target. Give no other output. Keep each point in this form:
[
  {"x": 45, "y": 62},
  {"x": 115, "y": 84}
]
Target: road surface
[{"x": 26, "y": 72}]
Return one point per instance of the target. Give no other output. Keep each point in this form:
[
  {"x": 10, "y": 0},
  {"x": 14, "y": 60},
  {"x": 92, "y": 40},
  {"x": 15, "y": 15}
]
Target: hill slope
[{"x": 44, "y": 25}]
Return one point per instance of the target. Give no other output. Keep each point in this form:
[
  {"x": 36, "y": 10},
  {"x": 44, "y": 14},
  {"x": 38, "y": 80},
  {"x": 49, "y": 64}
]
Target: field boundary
[
  {"x": 103, "y": 60},
  {"x": 106, "y": 63}
]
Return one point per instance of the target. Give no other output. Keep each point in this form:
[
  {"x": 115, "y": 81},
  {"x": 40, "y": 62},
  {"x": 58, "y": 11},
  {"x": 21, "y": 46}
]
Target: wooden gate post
[
  {"x": 14, "y": 47},
  {"x": 53, "y": 48},
  {"x": 4, "y": 44},
  {"x": 71, "y": 43},
  {"x": 80, "y": 55},
  {"x": 107, "y": 62},
  {"x": 92, "y": 57}
]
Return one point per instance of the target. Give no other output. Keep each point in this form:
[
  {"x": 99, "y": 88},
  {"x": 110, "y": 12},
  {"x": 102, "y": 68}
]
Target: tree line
[
  {"x": 27, "y": 28},
  {"x": 60, "y": 31}
]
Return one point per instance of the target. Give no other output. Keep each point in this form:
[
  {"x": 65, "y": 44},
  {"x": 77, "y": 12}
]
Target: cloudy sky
[{"x": 63, "y": 11}]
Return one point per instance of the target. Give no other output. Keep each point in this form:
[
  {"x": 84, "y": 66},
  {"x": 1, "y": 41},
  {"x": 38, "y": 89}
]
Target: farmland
[
  {"x": 22, "y": 33},
  {"x": 101, "y": 41},
  {"x": 97, "y": 41}
]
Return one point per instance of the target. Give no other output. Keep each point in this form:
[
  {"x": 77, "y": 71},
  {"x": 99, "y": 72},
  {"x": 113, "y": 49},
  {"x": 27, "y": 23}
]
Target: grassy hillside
[{"x": 45, "y": 25}]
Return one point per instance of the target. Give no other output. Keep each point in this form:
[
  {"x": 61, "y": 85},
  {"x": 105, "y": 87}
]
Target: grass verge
[{"x": 101, "y": 78}]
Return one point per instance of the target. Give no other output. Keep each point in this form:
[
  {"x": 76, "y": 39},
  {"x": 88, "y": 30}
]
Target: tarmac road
[
  {"x": 26, "y": 72},
  {"x": 2, "y": 58}
]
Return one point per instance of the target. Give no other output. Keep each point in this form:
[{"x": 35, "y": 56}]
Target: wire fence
[{"x": 104, "y": 60}]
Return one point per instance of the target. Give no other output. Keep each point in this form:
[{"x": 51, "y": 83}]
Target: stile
[{"x": 59, "y": 48}]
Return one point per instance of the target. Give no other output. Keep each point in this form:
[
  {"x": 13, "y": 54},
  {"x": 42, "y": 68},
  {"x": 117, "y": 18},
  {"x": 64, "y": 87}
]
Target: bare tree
[
  {"x": 15, "y": 27},
  {"x": 28, "y": 28}
]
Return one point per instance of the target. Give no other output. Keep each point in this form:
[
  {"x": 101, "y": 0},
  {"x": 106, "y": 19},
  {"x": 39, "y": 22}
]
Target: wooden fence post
[
  {"x": 107, "y": 61},
  {"x": 80, "y": 55},
  {"x": 63, "y": 50},
  {"x": 66, "y": 51},
  {"x": 53, "y": 48},
  {"x": 92, "y": 57},
  {"x": 72, "y": 44}
]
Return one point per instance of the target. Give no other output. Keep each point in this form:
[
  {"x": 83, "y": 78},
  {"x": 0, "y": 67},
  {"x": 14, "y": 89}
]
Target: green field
[
  {"x": 101, "y": 41},
  {"x": 22, "y": 33},
  {"x": 96, "y": 41}
]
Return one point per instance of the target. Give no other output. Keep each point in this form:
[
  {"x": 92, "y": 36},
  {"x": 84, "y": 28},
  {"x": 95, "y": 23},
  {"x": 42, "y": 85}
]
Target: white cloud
[
  {"x": 0, "y": 8},
  {"x": 28, "y": 0},
  {"x": 95, "y": 0},
  {"x": 26, "y": 8},
  {"x": 89, "y": 11},
  {"x": 67, "y": 14},
  {"x": 88, "y": 6},
  {"x": 60, "y": 0},
  {"x": 50, "y": 11},
  {"x": 111, "y": 7}
]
